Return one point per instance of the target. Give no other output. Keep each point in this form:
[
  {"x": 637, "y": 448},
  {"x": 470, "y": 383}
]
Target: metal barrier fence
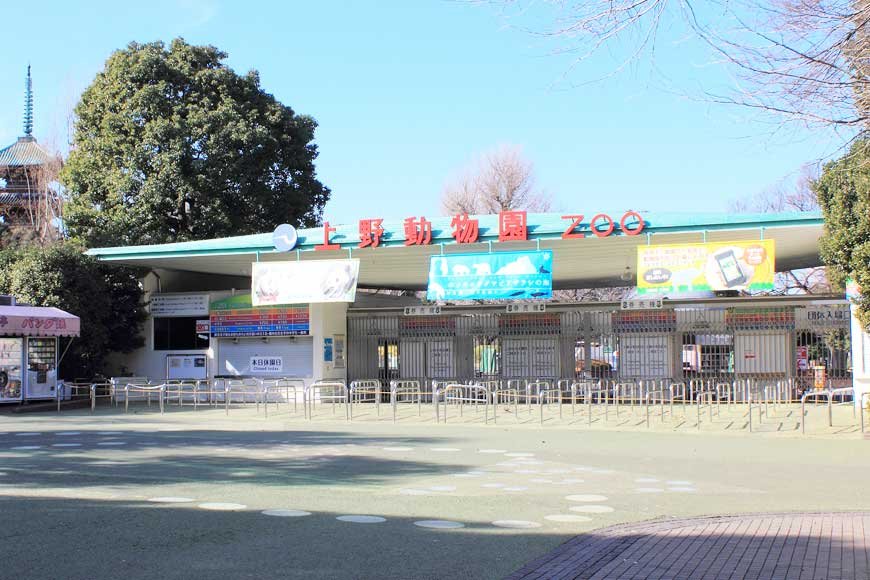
[{"x": 801, "y": 340}]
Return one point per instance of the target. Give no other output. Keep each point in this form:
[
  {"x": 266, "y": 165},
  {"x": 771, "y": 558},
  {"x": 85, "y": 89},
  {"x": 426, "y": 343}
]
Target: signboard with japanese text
[
  {"x": 236, "y": 317},
  {"x": 312, "y": 281},
  {"x": 717, "y": 266},
  {"x": 267, "y": 364},
  {"x": 496, "y": 276},
  {"x": 167, "y": 305},
  {"x": 823, "y": 316}
]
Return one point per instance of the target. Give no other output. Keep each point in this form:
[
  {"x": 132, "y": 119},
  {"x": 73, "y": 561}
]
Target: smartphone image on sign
[{"x": 732, "y": 273}]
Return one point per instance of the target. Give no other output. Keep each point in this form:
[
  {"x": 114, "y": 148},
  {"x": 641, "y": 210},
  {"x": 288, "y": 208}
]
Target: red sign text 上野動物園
[{"x": 512, "y": 227}]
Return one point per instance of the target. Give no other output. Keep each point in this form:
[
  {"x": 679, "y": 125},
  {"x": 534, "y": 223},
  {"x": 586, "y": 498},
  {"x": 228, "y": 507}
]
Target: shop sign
[
  {"x": 518, "y": 308},
  {"x": 203, "y": 326},
  {"x": 642, "y": 304},
  {"x": 304, "y": 282},
  {"x": 422, "y": 310},
  {"x": 512, "y": 227},
  {"x": 830, "y": 316},
  {"x": 495, "y": 276},
  {"x": 168, "y": 305},
  {"x": 267, "y": 364},
  {"x": 674, "y": 268},
  {"x": 236, "y": 317}
]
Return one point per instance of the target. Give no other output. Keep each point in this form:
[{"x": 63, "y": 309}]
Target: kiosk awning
[{"x": 37, "y": 321}]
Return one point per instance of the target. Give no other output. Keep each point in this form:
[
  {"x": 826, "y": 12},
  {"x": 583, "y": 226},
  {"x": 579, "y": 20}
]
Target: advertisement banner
[
  {"x": 497, "y": 276},
  {"x": 715, "y": 266},
  {"x": 169, "y": 305},
  {"x": 303, "y": 282}
]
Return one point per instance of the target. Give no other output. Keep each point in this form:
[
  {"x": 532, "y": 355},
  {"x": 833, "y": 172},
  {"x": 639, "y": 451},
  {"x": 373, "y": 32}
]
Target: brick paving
[{"x": 814, "y": 546}]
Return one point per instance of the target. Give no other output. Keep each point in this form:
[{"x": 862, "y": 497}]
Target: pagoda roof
[{"x": 23, "y": 153}]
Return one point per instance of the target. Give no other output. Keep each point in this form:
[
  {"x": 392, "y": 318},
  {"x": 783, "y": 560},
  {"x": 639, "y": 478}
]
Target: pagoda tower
[{"x": 26, "y": 172}]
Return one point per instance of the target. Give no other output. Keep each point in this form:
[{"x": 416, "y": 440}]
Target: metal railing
[
  {"x": 333, "y": 392},
  {"x": 407, "y": 392},
  {"x": 830, "y": 394},
  {"x": 460, "y": 394}
]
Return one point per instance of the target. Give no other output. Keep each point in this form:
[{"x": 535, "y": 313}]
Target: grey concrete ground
[{"x": 77, "y": 492}]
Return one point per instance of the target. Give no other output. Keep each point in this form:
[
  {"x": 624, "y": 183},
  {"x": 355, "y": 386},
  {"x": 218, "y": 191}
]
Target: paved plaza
[{"x": 196, "y": 494}]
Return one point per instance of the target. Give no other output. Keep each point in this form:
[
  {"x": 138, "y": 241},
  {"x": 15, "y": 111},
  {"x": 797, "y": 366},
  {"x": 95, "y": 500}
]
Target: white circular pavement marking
[
  {"x": 493, "y": 485},
  {"x": 439, "y": 524},
  {"x": 646, "y": 480},
  {"x": 282, "y": 513},
  {"x": 27, "y": 434},
  {"x": 362, "y": 519},
  {"x": 26, "y": 447},
  {"x": 684, "y": 489},
  {"x": 398, "y": 449},
  {"x": 567, "y": 518},
  {"x": 171, "y": 499},
  {"x": 586, "y": 497},
  {"x": 649, "y": 490},
  {"x": 242, "y": 474},
  {"x": 67, "y": 445},
  {"x": 445, "y": 449},
  {"x": 492, "y": 450},
  {"x": 221, "y": 506},
  {"x": 443, "y": 488},
  {"x": 519, "y": 454},
  {"x": 591, "y": 509},
  {"x": 107, "y": 443},
  {"x": 516, "y": 524},
  {"x": 67, "y": 433}
]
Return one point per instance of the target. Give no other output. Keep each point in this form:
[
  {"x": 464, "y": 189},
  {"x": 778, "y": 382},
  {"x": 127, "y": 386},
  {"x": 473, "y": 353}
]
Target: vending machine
[{"x": 11, "y": 364}]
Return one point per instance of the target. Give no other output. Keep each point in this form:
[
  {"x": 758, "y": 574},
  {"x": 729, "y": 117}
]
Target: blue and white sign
[
  {"x": 496, "y": 276},
  {"x": 284, "y": 238}
]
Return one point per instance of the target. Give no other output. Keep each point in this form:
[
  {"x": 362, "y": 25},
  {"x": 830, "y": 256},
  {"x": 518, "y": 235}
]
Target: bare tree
[
  {"x": 801, "y": 60},
  {"x": 500, "y": 179},
  {"x": 790, "y": 195}
]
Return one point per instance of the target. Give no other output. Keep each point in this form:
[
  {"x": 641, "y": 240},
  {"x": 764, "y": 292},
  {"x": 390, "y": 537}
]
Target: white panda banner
[{"x": 303, "y": 282}]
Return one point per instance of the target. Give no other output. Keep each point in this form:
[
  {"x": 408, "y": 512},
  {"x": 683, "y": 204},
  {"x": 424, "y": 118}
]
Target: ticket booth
[{"x": 29, "y": 350}]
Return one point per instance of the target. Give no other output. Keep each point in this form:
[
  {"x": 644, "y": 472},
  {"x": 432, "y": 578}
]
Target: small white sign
[
  {"x": 515, "y": 308},
  {"x": 165, "y": 305},
  {"x": 422, "y": 310},
  {"x": 267, "y": 364},
  {"x": 203, "y": 326},
  {"x": 642, "y": 304}
]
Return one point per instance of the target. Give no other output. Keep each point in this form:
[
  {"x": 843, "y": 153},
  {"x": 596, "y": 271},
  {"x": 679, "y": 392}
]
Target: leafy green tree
[
  {"x": 173, "y": 145},
  {"x": 107, "y": 299},
  {"x": 844, "y": 194}
]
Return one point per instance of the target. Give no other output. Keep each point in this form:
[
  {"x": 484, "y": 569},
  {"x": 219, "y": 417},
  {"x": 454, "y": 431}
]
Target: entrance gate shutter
[{"x": 296, "y": 355}]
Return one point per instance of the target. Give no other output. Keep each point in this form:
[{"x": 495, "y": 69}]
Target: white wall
[{"x": 860, "y": 358}]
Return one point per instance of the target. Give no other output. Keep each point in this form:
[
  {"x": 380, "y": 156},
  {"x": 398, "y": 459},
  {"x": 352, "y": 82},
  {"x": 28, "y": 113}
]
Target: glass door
[{"x": 11, "y": 353}]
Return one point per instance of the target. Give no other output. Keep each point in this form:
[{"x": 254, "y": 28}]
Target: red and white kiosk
[{"x": 29, "y": 350}]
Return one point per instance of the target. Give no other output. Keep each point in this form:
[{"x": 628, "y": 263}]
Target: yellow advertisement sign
[{"x": 672, "y": 268}]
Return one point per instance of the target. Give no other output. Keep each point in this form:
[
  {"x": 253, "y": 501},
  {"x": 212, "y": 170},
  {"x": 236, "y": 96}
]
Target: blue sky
[{"x": 407, "y": 92}]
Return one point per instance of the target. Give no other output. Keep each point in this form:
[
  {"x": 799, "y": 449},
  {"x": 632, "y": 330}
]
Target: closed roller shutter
[{"x": 296, "y": 355}]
